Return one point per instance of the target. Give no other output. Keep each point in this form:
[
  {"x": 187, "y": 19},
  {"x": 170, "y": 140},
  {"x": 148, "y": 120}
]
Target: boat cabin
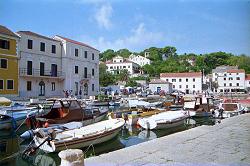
[{"x": 203, "y": 104}]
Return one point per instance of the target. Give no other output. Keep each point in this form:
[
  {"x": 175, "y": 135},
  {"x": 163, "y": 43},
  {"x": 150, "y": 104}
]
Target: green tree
[
  {"x": 125, "y": 53},
  {"x": 107, "y": 55}
]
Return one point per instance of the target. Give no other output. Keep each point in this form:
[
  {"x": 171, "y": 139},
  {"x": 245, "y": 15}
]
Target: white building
[
  {"x": 247, "y": 81},
  {"x": 80, "y": 63},
  {"x": 140, "y": 60},
  {"x": 40, "y": 66},
  {"x": 229, "y": 79},
  {"x": 119, "y": 63},
  {"x": 185, "y": 82},
  {"x": 158, "y": 85}
]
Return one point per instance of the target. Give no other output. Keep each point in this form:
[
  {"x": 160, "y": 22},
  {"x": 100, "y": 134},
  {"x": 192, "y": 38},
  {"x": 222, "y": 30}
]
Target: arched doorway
[
  {"x": 85, "y": 89},
  {"x": 41, "y": 88}
]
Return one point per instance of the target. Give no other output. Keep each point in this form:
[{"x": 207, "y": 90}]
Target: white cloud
[
  {"x": 139, "y": 38},
  {"x": 103, "y": 16}
]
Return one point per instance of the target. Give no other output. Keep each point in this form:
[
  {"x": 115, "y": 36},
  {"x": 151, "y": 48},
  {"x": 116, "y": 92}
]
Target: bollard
[{"x": 71, "y": 157}]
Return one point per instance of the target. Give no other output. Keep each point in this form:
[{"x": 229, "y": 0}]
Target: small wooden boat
[
  {"x": 227, "y": 110},
  {"x": 202, "y": 106},
  {"x": 68, "y": 110},
  {"x": 80, "y": 137},
  {"x": 164, "y": 120}
]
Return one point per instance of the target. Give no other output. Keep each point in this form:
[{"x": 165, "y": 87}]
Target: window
[
  {"x": 186, "y": 86},
  {"x": 76, "y": 52},
  {"x": 42, "y": 46},
  {"x": 128, "y": 66},
  {"x": 85, "y": 54},
  {"x": 225, "y": 84},
  {"x": 193, "y": 79},
  {"x": 216, "y": 79},
  {"x": 167, "y": 80},
  {"x": 225, "y": 74},
  {"x": 186, "y": 79},
  {"x": 85, "y": 72},
  {"x": 193, "y": 86},
  {"x": 53, "y": 49},
  {"x": 93, "y": 56},
  {"x": 10, "y": 84},
  {"x": 180, "y": 80},
  {"x": 93, "y": 87},
  {"x": 179, "y": 86},
  {"x": 173, "y": 86},
  {"x": 237, "y": 84},
  {"x": 230, "y": 78},
  {"x": 4, "y": 44},
  {"x": 29, "y": 67},
  {"x": 1, "y": 85},
  {"x": 124, "y": 67},
  {"x": 29, "y": 85},
  {"x": 225, "y": 78},
  {"x": 93, "y": 72},
  {"x": 30, "y": 44},
  {"x": 230, "y": 84},
  {"x": 173, "y": 80},
  {"x": 111, "y": 67},
  {"x": 237, "y": 73},
  {"x": 237, "y": 78},
  {"x": 54, "y": 70},
  {"x": 53, "y": 86},
  {"x": 41, "y": 69},
  {"x": 76, "y": 69},
  {"x": 3, "y": 63}
]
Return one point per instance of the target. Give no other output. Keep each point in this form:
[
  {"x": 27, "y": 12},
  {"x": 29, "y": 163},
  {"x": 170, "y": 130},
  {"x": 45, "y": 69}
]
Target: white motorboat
[
  {"x": 227, "y": 110},
  {"x": 164, "y": 120},
  {"x": 80, "y": 137}
]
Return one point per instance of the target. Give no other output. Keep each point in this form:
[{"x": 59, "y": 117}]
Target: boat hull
[{"x": 77, "y": 140}]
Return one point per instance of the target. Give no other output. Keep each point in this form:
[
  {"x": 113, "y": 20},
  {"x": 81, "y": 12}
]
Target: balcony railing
[
  {"x": 87, "y": 76},
  {"x": 41, "y": 73}
]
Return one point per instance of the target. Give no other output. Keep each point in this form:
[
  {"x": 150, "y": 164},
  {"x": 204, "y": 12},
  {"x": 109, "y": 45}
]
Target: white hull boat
[
  {"x": 164, "y": 120},
  {"x": 227, "y": 110},
  {"x": 81, "y": 137}
]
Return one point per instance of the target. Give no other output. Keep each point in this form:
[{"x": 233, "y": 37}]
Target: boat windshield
[{"x": 74, "y": 105}]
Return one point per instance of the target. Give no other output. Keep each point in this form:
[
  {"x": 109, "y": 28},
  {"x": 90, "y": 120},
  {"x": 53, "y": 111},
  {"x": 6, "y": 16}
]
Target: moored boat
[
  {"x": 164, "y": 120},
  {"x": 68, "y": 110},
  {"x": 227, "y": 110},
  {"x": 80, "y": 137}
]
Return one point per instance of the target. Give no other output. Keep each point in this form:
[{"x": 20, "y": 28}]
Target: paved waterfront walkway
[{"x": 227, "y": 143}]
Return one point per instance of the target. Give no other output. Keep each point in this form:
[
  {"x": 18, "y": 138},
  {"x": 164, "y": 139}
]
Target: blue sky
[{"x": 192, "y": 26}]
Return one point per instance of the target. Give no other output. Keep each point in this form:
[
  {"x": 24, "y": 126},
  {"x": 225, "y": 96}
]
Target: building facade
[
  {"x": 40, "y": 66},
  {"x": 140, "y": 60},
  {"x": 157, "y": 86},
  {"x": 80, "y": 63},
  {"x": 119, "y": 63},
  {"x": 228, "y": 79},
  {"x": 188, "y": 83},
  {"x": 8, "y": 63},
  {"x": 247, "y": 82}
]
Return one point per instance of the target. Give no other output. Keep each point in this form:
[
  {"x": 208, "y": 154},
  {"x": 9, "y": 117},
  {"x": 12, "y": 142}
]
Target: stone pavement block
[{"x": 227, "y": 143}]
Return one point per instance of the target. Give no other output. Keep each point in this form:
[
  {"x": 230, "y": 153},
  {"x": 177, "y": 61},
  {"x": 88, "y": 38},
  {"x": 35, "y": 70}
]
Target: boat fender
[{"x": 46, "y": 124}]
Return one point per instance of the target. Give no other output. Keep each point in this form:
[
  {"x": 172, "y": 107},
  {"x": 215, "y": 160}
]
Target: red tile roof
[
  {"x": 76, "y": 42},
  {"x": 125, "y": 61},
  {"x": 6, "y": 31},
  {"x": 236, "y": 71},
  {"x": 159, "y": 81},
  {"x": 36, "y": 35},
  {"x": 247, "y": 77},
  {"x": 191, "y": 74}
]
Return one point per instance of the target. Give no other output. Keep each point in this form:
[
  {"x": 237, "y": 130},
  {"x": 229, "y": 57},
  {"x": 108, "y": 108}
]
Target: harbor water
[{"x": 11, "y": 146}]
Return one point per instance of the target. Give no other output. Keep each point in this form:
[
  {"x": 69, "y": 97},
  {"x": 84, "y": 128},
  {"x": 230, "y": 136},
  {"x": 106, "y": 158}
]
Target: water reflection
[{"x": 128, "y": 136}]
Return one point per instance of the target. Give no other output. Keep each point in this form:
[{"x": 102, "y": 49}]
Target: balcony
[{"x": 41, "y": 73}]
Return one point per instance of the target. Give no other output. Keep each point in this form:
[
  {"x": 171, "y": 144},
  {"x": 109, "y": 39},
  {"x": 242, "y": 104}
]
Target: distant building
[
  {"x": 140, "y": 60},
  {"x": 228, "y": 79},
  {"x": 158, "y": 85},
  {"x": 40, "y": 66},
  {"x": 8, "y": 63},
  {"x": 186, "y": 82},
  {"x": 247, "y": 81},
  {"x": 81, "y": 67},
  {"x": 119, "y": 63}
]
